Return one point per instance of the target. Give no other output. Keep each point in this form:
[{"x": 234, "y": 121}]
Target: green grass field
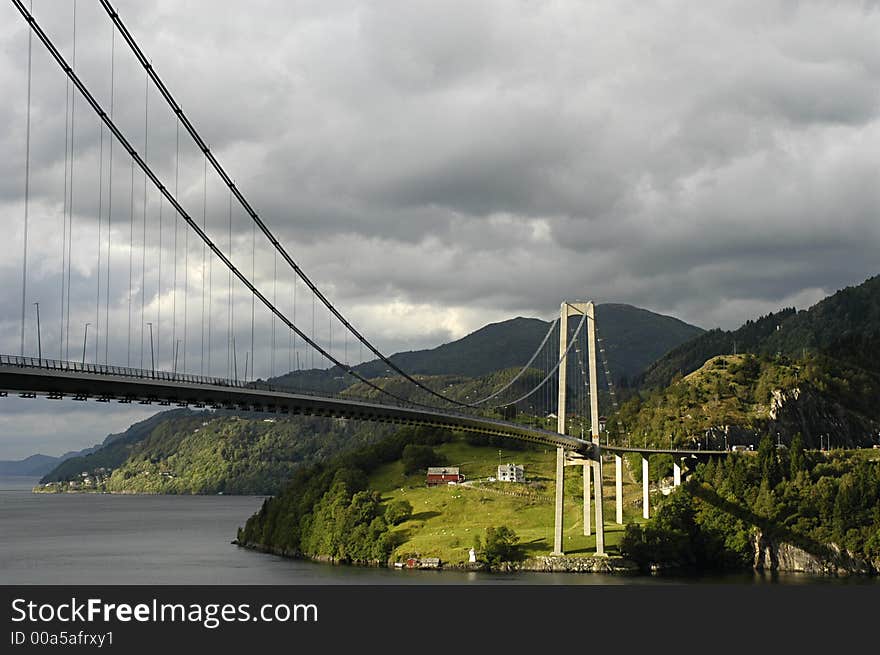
[{"x": 446, "y": 518}]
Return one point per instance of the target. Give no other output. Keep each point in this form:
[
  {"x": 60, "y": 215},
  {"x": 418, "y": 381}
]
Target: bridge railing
[{"x": 125, "y": 371}]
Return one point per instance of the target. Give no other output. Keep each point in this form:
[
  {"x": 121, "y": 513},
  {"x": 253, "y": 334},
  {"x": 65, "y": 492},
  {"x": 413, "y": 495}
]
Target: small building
[
  {"x": 511, "y": 473},
  {"x": 443, "y": 475}
]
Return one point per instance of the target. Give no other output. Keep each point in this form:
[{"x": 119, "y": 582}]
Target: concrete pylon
[
  {"x": 645, "y": 512},
  {"x": 578, "y": 309},
  {"x": 618, "y": 489},
  {"x": 590, "y": 310}
]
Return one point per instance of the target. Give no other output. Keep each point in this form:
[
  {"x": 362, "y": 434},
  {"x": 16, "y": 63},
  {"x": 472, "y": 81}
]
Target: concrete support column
[
  {"x": 587, "y": 492},
  {"x": 560, "y": 484},
  {"x": 618, "y": 489},
  {"x": 600, "y": 520},
  {"x": 645, "y": 512},
  {"x": 676, "y": 472}
]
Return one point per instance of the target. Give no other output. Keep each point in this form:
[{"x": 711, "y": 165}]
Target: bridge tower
[{"x": 567, "y": 309}]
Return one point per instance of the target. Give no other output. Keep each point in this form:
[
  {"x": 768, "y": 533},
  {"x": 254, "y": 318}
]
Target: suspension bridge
[{"x": 184, "y": 295}]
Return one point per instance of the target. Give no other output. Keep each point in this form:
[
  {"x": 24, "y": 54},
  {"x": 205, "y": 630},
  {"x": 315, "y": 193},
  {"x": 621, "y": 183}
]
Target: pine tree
[
  {"x": 797, "y": 461},
  {"x": 768, "y": 462}
]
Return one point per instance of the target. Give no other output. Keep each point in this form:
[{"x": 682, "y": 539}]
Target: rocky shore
[{"x": 772, "y": 555}]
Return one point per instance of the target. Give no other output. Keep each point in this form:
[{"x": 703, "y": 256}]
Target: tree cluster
[{"x": 788, "y": 495}]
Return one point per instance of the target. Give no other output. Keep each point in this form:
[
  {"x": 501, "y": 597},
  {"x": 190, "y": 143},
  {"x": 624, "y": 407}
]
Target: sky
[{"x": 435, "y": 166}]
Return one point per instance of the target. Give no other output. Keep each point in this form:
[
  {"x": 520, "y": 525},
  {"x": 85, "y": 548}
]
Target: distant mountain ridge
[
  {"x": 632, "y": 338},
  {"x": 39, "y": 464}
]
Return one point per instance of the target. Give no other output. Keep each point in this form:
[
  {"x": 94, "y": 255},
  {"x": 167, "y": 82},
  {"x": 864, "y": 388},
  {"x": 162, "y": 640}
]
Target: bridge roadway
[
  {"x": 619, "y": 450},
  {"x": 58, "y": 379}
]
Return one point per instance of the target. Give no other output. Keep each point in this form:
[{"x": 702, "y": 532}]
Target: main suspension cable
[
  {"x": 202, "y": 145},
  {"x": 123, "y": 141}
]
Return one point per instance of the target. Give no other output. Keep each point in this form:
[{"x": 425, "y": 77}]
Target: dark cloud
[{"x": 435, "y": 165}]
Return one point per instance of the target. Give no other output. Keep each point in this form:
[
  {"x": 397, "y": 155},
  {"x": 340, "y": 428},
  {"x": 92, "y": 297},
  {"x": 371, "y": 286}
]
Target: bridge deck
[
  {"x": 59, "y": 379},
  {"x": 661, "y": 451}
]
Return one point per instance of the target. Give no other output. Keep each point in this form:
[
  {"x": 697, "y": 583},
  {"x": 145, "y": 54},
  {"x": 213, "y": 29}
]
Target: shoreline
[
  {"x": 539, "y": 564},
  {"x": 101, "y": 492},
  {"x": 607, "y": 565}
]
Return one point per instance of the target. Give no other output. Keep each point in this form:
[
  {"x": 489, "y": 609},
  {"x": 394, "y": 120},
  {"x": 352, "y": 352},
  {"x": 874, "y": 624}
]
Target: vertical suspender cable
[
  {"x": 130, "y": 259},
  {"x": 110, "y": 199},
  {"x": 210, "y": 284},
  {"x": 64, "y": 216},
  {"x": 290, "y": 339},
  {"x": 232, "y": 296},
  {"x": 144, "y": 236},
  {"x": 253, "y": 297},
  {"x": 294, "y": 322},
  {"x": 204, "y": 219},
  {"x": 185, "y": 251},
  {"x": 70, "y": 201},
  {"x": 100, "y": 224},
  {"x": 313, "y": 328},
  {"x": 274, "y": 302},
  {"x": 174, "y": 267},
  {"x": 27, "y": 188},
  {"x": 229, "y": 308},
  {"x": 159, "y": 290}
]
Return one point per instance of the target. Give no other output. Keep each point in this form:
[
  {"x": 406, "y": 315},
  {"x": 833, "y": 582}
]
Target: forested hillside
[
  {"x": 735, "y": 399},
  {"x": 845, "y": 324}
]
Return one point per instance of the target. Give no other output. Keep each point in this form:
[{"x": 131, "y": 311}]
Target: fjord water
[{"x": 142, "y": 539}]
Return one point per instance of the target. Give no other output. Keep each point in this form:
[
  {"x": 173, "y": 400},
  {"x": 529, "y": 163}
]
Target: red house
[{"x": 443, "y": 475}]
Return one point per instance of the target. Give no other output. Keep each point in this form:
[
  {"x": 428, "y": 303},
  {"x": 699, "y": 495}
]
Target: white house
[{"x": 511, "y": 473}]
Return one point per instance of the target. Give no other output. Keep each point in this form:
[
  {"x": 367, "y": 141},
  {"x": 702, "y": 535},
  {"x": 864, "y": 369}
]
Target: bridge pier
[
  {"x": 645, "y": 512},
  {"x": 618, "y": 489},
  {"x": 560, "y": 488},
  {"x": 587, "y": 492},
  {"x": 676, "y": 472},
  {"x": 597, "y": 487}
]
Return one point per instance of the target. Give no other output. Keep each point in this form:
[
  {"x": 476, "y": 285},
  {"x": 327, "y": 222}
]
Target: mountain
[
  {"x": 37, "y": 465},
  {"x": 113, "y": 451},
  {"x": 845, "y": 325},
  {"x": 235, "y": 454},
  {"x": 632, "y": 339},
  {"x": 220, "y": 452},
  {"x": 31, "y": 466}
]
